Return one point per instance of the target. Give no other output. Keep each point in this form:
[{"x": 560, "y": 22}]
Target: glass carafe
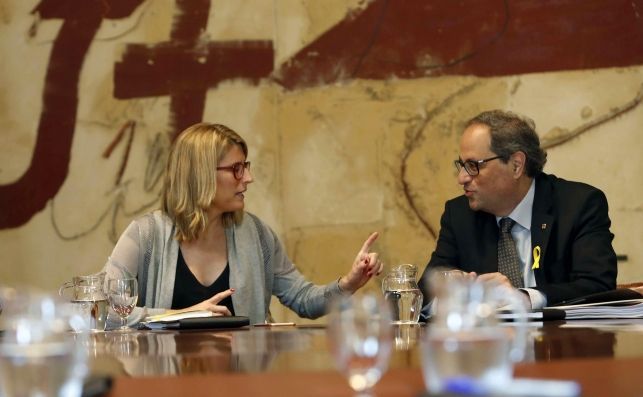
[
  {"x": 87, "y": 294},
  {"x": 401, "y": 291}
]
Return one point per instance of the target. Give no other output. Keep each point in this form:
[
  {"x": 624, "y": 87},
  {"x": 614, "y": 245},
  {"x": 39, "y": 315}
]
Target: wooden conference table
[{"x": 606, "y": 358}]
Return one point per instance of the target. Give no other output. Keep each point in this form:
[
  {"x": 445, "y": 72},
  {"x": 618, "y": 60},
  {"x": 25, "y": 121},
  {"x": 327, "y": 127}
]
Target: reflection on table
[
  {"x": 605, "y": 357},
  {"x": 574, "y": 342},
  {"x": 304, "y": 348},
  {"x": 250, "y": 349}
]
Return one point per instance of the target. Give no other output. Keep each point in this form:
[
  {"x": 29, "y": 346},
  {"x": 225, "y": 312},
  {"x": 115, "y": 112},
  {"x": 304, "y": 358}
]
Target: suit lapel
[
  {"x": 487, "y": 242},
  {"x": 541, "y": 223}
]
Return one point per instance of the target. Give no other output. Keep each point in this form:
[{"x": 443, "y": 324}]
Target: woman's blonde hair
[{"x": 190, "y": 177}]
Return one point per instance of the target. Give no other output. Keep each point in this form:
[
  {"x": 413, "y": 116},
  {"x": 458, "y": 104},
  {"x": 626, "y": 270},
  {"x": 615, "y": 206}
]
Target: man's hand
[
  {"x": 365, "y": 266},
  {"x": 496, "y": 278},
  {"x": 502, "y": 280}
]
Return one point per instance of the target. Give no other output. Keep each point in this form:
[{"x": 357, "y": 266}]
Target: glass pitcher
[
  {"x": 401, "y": 291},
  {"x": 87, "y": 294},
  {"x": 466, "y": 348}
]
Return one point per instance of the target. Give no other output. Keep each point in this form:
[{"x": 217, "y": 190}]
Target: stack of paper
[
  {"x": 630, "y": 308},
  {"x": 179, "y": 315},
  {"x": 174, "y": 318}
]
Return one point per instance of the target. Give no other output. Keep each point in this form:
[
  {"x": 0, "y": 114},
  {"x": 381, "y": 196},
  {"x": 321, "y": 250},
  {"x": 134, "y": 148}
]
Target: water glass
[
  {"x": 466, "y": 349},
  {"x": 360, "y": 336},
  {"x": 38, "y": 357},
  {"x": 123, "y": 295}
]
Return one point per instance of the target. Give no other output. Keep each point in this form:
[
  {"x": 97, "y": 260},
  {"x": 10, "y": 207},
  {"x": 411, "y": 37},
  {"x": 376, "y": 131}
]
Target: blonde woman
[{"x": 202, "y": 251}]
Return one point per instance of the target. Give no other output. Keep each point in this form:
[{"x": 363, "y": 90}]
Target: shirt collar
[{"x": 522, "y": 213}]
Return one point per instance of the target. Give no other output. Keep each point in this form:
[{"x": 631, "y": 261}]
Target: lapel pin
[{"x": 543, "y": 226}]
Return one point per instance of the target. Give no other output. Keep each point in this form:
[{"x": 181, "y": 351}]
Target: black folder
[{"x": 218, "y": 322}]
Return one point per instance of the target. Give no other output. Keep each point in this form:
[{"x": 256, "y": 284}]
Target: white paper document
[{"x": 630, "y": 308}]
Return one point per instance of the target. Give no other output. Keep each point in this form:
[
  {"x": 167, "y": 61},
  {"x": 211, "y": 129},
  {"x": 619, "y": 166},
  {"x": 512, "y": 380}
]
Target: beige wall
[{"x": 326, "y": 160}]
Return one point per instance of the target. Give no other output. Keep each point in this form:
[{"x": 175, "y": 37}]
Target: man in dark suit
[{"x": 560, "y": 229}]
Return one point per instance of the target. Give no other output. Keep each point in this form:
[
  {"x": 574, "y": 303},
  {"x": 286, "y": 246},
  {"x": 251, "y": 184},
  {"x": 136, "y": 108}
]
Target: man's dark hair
[{"x": 511, "y": 133}]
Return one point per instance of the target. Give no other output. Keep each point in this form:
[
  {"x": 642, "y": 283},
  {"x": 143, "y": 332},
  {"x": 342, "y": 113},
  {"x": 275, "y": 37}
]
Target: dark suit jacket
[{"x": 570, "y": 224}]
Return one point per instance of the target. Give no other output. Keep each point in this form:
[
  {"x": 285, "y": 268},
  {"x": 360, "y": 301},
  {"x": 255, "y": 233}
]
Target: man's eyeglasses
[
  {"x": 472, "y": 167},
  {"x": 238, "y": 169}
]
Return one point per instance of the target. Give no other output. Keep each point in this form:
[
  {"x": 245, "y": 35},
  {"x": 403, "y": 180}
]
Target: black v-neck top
[{"x": 188, "y": 291}]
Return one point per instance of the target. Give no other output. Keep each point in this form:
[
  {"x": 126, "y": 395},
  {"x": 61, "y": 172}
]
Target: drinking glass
[
  {"x": 467, "y": 349},
  {"x": 123, "y": 295},
  {"x": 38, "y": 357},
  {"x": 360, "y": 335}
]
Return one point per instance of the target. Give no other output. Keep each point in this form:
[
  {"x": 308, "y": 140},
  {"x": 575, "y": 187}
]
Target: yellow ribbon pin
[{"x": 536, "y": 253}]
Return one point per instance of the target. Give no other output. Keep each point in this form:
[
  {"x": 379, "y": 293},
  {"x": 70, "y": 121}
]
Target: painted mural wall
[{"x": 352, "y": 110}]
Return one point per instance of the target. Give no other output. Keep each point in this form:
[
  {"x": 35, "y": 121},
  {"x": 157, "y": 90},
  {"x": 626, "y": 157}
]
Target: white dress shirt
[{"x": 521, "y": 234}]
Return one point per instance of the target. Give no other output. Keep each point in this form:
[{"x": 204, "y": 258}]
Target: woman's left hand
[{"x": 365, "y": 266}]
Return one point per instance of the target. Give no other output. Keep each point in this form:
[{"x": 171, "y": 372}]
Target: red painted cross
[{"x": 187, "y": 66}]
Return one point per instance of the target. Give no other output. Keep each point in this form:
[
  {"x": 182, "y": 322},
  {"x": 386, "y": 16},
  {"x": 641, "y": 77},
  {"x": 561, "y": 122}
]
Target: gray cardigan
[{"x": 259, "y": 268}]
